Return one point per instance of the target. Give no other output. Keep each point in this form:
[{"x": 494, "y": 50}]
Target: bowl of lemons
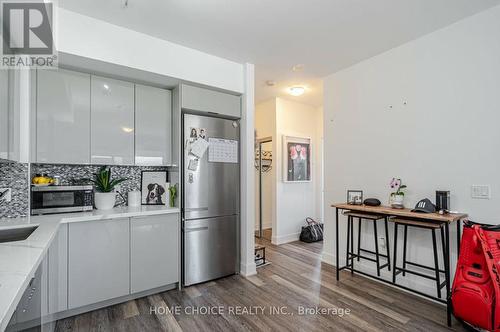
[{"x": 42, "y": 181}]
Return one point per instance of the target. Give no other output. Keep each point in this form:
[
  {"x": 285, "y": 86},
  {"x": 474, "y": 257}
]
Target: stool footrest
[
  {"x": 353, "y": 256},
  {"x": 372, "y": 252},
  {"x": 399, "y": 270},
  {"x": 423, "y": 266}
]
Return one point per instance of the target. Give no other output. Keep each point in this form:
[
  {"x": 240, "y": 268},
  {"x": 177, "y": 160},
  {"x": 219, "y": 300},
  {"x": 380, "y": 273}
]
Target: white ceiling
[{"x": 323, "y": 35}]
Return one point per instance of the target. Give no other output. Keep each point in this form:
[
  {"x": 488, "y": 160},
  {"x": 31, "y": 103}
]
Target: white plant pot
[
  {"x": 397, "y": 201},
  {"x": 105, "y": 201}
]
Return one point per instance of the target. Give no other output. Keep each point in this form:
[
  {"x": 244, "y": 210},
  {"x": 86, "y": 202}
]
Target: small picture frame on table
[
  {"x": 154, "y": 188},
  {"x": 355, "y": 197}
]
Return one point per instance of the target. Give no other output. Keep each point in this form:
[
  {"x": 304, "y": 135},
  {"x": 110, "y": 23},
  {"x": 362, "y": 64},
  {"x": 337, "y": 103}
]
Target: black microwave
[{"x": 61, "y": 199}]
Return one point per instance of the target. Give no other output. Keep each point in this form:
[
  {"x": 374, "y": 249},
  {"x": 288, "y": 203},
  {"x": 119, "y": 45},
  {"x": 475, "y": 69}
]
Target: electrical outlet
[
  {"x": 6, "y": 194},
  {"x": 381, "y": 242},
  {"x": 480, "y": 192}
]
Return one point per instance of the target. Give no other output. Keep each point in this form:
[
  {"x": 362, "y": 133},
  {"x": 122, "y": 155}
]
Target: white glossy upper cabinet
[
  {"x": 62, "y": 117},
  {"x": 112, "y": 122},
  {"x": 4, "y": 114},
  {"x": 153, "y": 131},
  {"x": 204, "y": 100}
]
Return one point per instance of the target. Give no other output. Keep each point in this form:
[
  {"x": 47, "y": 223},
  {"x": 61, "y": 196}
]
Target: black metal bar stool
[
  {"x": 350, "y": 255},
  {"x": 422, "y": 225}
]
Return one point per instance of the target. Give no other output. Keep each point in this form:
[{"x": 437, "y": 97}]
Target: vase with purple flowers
[{"x": 396, "y": 200}]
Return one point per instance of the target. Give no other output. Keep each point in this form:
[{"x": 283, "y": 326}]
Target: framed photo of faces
[{"x": 297, "y": 159}]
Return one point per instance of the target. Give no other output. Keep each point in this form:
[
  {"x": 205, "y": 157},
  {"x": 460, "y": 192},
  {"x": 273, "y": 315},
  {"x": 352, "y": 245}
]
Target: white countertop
[{"x": 19, "y": 260}]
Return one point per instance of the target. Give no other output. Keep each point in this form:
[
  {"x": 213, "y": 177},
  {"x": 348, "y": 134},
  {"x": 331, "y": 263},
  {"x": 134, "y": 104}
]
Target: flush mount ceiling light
[
  {"x": 296, "y": 90},
  {"x": 298, "y": 67}
]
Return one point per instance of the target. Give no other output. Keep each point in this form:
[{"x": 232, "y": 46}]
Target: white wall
[
  {"x": 95, "y": 39},
  {"x": 445, "y": 138},
  {"x": 295, "y": 201},
  {"x": 292, "y": 202}
]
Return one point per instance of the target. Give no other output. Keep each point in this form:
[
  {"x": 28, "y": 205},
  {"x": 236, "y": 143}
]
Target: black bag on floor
[{"x": 313, "y": 232}]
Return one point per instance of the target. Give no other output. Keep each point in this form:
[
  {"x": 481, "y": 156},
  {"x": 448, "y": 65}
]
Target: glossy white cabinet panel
[
  {"x": 154, "y": 251},
  {"x": 112, "y": 122},
  {"x": 176, "y": 126},
  {"x": 99, "y": 262},
  {"x": 4, "y": 114},
  {"x": 58, "y": 272},
  {"x": 153, "y": 121},
  {"x": 63, "y": 117},
  {"x": 204, "y": 100}
]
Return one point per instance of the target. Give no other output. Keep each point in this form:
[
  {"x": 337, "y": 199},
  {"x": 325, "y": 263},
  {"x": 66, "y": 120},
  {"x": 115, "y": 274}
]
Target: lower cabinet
[
  {"x": 98, "y": 261},
  {"x": 154, "y": 251},
  {"x": 58, "y": 272},
  {"x": 95, "y": 261}
]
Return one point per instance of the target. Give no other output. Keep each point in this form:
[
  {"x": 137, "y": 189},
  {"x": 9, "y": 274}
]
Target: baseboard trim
[
  {"x": 247, "y": 270},
  {"x": 328, "y": 258},
  {"x": 282, "y": 239}
]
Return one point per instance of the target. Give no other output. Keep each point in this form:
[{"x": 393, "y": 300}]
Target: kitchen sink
[{"x": 16, "y": 234}]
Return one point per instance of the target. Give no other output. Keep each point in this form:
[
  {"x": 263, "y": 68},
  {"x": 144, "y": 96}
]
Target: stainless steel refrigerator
[{"x": 211, "y": 198}]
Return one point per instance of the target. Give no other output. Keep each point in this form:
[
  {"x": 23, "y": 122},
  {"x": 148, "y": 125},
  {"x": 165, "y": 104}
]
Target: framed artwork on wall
[
  {"x": 297, "y": 159},
  {"x": 154, "y": 187}
]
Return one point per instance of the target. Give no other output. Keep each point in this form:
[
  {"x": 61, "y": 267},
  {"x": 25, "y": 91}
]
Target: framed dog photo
[
  {"x": 154, "y": 188},
  {"x": 355, "y": 197}
]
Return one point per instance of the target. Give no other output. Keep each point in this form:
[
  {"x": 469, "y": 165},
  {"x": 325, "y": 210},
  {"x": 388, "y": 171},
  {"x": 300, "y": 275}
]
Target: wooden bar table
[{"x": 444, "y": 219}]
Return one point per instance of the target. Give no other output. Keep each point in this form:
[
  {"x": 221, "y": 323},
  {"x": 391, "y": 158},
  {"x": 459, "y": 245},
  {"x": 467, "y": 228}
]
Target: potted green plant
[
  {"x": 397, "y": 197},
  {"x": 172, "y": 190},
  {"x": 105, "y": 195}
]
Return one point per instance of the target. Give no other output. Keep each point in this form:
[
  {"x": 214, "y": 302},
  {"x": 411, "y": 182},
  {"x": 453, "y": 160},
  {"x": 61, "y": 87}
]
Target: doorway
[{"x": 264, "y": 169}]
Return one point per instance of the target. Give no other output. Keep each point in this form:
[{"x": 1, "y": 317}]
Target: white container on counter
[{"x": 134, "y": 198}]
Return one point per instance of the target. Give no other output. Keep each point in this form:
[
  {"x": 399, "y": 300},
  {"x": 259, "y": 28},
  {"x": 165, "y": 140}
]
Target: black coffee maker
[{"x": 443, "y": 201}]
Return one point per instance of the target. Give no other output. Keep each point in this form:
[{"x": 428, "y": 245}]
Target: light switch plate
[{"x": 480, "y": 192}]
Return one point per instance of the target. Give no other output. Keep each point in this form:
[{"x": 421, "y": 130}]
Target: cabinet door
[
  {"x": 4, "y": 114},
  {"x": 154, "y": 251},
  {"x": 204, "y": 100},
  {"x": 153, "y": 118},
  {"x": 58, "y": 272},
  {"x": 98, "y": 262},
  {"x": 63, "y": 117},
  {"x": 112, "y": 122}
]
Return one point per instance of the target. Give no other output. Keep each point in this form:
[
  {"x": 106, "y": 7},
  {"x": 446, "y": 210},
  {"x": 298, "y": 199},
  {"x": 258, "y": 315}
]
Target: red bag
[{"x": 476, "y": 287}]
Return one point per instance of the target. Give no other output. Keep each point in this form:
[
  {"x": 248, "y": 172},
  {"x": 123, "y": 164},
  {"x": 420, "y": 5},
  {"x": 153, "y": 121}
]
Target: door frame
[{"x": 258, "y": 143}]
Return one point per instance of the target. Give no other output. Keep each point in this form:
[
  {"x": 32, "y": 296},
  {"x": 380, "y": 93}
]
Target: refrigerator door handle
[{"x": 196, "y": 229}]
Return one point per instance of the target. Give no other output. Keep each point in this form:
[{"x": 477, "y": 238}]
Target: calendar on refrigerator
[{"x": 222, "y": 150}]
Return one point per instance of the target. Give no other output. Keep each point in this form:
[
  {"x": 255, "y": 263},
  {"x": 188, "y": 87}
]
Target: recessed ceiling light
[
  {"x": 298, "y": 67},
  {"x": 296, "y": 90},
  {"x": 270, "y": 83}
]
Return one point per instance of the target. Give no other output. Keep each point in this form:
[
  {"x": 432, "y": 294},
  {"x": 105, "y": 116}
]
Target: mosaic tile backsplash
[
  {"x": 15, "y": 176},
  {"x": 70, "y": 174}
]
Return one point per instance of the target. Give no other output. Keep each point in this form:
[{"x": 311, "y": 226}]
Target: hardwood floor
[
  {"x": 296, "y": 279},
  {"x": 267, "y": 233}
]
